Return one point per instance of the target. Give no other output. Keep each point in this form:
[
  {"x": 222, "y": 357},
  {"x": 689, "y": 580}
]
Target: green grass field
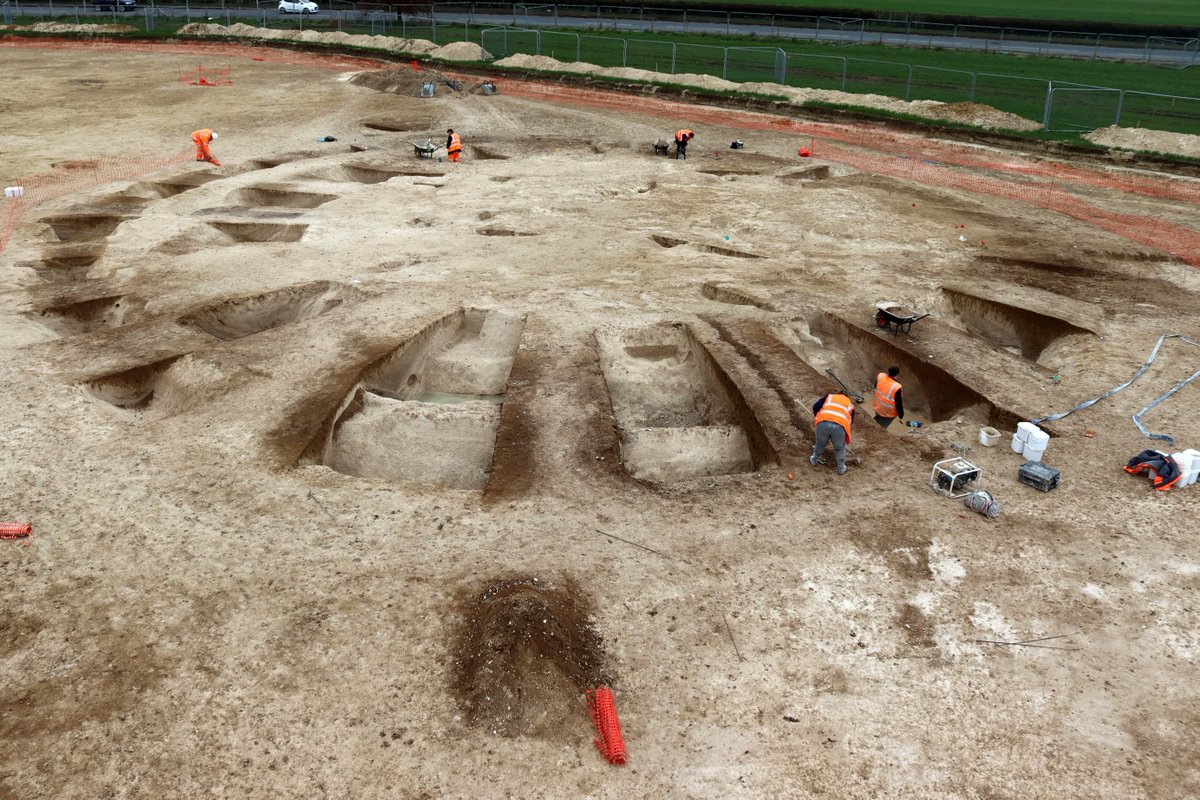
[{"x": 1175, "y": 13}]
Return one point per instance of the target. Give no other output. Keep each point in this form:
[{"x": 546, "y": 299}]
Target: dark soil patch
[
  {"x": 524, "y": 654},
  {"x": 514, "y": 467}
]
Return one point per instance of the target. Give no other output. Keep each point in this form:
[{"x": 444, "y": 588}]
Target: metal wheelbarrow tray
[{"x": 891, "y": 317}]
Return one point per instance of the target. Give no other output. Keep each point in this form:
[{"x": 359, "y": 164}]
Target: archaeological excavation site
[{"x": 351, "y": 472}]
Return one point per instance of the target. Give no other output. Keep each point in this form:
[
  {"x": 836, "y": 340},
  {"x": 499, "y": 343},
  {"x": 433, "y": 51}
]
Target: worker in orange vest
[
  {"x": 201, "y": 139},
  {"x": 682, "y": 137},
  {"x": 889, "y": 397},
  {"x": 453, "y": 145},
  {"x": 834, "y": 414}
]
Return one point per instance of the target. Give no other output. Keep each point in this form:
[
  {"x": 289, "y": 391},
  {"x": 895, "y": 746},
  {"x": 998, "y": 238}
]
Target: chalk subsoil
[{"x": 208, "y": 608}]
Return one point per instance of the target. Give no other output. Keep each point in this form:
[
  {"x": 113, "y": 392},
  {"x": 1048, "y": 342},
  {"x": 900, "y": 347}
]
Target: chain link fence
[{"x": 1058, "y": 105}]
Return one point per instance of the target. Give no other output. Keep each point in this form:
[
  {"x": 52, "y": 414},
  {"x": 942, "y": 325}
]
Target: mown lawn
[{"x": 1184, "y": 13}]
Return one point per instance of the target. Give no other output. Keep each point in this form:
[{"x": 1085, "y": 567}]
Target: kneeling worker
[
  {"x": 453, "y": 145},
  {"x": 834, "y": 415},
  {"x": 889, "y": 397},
  {"x": 682, "y": 137},
  {"x": 201, "y": 138}
]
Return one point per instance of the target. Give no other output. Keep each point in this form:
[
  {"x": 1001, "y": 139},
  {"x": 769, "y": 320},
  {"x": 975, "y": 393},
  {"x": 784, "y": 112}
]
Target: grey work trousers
[{"x": 830, "y": 433}]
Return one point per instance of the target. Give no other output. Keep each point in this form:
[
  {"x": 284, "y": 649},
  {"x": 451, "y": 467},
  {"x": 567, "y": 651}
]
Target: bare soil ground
[{"x": 239, "y": 400}]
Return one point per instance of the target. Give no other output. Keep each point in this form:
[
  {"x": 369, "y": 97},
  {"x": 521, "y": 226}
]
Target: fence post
[
  {"x": 674, "y": 50},
  {"x": 1096, "y": 49},
  {"x": 685, "y": 30},
  {"x": 727, "y": 23},
  {"x": 974, "y": 78},
  {"x": 781, "y": 66},
  {"x": 908, "y": 84},
  {"x": 845, "y": 69},
  {"x": 1046, "y": 112},
  {"x": 1120, "y": 106},
  {"x": 725, "y": 65},
  {"x": 624, "y": 52}
]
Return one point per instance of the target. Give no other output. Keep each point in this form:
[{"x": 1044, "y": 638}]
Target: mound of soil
[
  {"x": 461, "y": 51},
  {"x": 525, "y": 652},
  {"x": 401, "y": 81},
  {"x": 63, "y": 27},
  {"x": 1183, "y": 144},
  {"x": 981, "y": 115}
]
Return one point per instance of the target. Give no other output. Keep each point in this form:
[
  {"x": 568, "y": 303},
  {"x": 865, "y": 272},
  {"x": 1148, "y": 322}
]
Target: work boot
[
  {"x": 841, "y": 469},
  {"x": 813, "y": 460}
]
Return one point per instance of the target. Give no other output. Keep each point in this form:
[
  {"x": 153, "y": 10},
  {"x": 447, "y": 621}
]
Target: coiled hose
[{"x": 982, "y": 502}]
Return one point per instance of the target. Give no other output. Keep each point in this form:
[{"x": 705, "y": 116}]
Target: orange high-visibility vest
[
  {"x": 679, "y": 135},
  {"x": 885, "y": 395},
  {"x": 837, "y": 408},
  {"x": 455, "y": 144},
  {"x": 203, "y": 136}
]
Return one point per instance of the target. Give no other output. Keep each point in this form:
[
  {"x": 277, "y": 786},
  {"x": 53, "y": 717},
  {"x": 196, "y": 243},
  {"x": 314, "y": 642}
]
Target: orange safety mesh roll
[
  {"x": 604, "y": 716},
  {"x": 15, "y": 530}
]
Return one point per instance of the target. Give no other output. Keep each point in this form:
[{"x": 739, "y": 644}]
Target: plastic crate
[{"x": 1038, "y": 475}]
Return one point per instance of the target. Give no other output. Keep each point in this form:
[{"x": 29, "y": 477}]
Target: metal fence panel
[
  {"x": 1160, "y": 112},
  {"x": 1071, "y": 108}
]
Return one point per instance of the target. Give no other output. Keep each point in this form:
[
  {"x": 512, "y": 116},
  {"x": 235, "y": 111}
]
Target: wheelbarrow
[
  {"x": 425, "y": 150},
  {"x": 891, "y": 317}
]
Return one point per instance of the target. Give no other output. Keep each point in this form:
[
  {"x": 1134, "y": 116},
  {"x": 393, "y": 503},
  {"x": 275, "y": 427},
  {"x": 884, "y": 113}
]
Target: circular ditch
[{"x": 525, "y": 651}]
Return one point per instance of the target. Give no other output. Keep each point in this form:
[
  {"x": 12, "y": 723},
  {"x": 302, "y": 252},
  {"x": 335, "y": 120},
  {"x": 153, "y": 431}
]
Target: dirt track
[{"x": 231, "y": 393}]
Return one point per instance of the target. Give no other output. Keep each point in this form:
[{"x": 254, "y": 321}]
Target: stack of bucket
[
  {"x": 1189, "y": 465},
  {"x": 1030, "y": 441}
]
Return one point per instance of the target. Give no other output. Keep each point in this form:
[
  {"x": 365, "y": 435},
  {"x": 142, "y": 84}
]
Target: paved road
[{"x": 834, "y": 35}]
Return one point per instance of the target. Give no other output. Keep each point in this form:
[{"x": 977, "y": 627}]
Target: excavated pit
[
  {"x": 245, "y": 316},
  {"x": 814, "y": 173},
  {"x": 734, "y": 295},
  {"x": 484, "y": 154},
  {"x": 1012, "y": 327},
  {"x": 678, "y": 415},
  {"x": 366, "y": 175},
  {"x": 396, "y": 124},
  {"x": 725, "y": 251},
  {"x": 428, "y": 412},
  {"x": 132, "y": 389},
  {"x": 65, "y": 263},
  {"x": 279, "y": 197},
  {"x": 931, "y": 392},
  {"x": 84, "y": 227},
  {"x": 259, "y": 232},
  {"x": 525, "y": 650},
  {"x": 502, "y": 232},
  {"x": 86, "y": 316},
  {"x": 667, "y": 241}
]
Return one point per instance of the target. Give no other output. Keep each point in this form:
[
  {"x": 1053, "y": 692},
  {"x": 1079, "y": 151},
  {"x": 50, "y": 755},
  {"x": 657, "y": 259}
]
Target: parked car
[
  {"x": 297, "y": 7},
  {"x": 114, "y": 5}
]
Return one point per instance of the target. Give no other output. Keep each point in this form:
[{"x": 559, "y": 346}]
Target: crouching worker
[
  {"x": 834, "y": 414},
  {"x": 889, "y": 397},
  {"x": 201, "y": 139},
  {"x": 682, "y": 137},
  {"x": 453, "y": 145}
]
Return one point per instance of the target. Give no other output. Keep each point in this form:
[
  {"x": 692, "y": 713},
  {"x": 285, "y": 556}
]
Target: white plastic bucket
[
  {"x": 1017, "y": 445},
  {"x": 14, "y": 191},
  {"x": 988, "y": 437},
  {"x": 1194, "y": 473},
  {"x": 1038, "y": 438},
  {"x": 1033, "y": 453},
  {"x": 1184, "y": 462},
  {"x": 1024, "y": 429}
]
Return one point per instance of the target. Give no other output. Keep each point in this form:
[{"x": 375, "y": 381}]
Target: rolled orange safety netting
[
  {"x": 604, "y": 716},
  {"x": 15, "y": 530}
]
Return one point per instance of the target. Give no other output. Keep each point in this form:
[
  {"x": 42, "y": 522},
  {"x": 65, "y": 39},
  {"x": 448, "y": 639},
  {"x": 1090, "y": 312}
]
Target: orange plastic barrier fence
[
  {"x": 603, "y": 709},
  {"x": 76, "y": 176},
  {"x": 15, "y": 530},
  {"x": 208, "y": 76}
]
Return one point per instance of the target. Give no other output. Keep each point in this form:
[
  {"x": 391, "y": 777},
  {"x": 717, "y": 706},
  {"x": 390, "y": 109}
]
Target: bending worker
[
  {"x": 682, "y": 137},
  {"x": 889, "y": 397},
  {"x": 453, "y": 145},
  {"x": 834, "y": 415},
  {"x": 201, "y": 138}
]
